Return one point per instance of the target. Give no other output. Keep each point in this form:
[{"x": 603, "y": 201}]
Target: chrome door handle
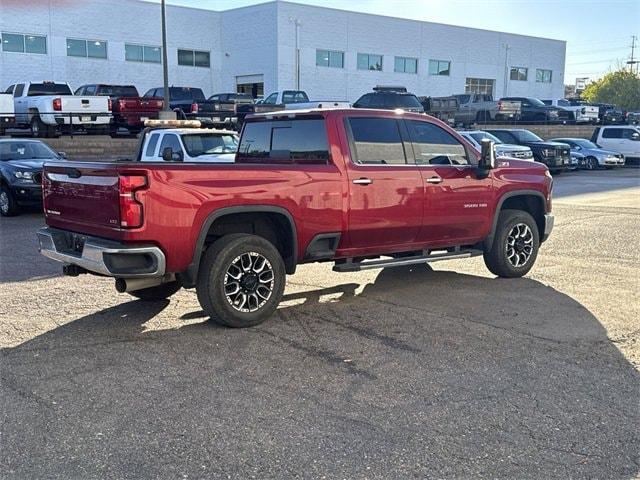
[
  {"x": 363, "y": 181},
  {"x": 434, "y": 180}
]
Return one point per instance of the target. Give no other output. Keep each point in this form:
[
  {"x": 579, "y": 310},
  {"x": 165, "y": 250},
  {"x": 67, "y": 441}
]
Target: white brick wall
[{"x": 260, "y": 40}]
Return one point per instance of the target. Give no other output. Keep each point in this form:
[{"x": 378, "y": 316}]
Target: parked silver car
[
  {"x": 594, "y": 156},
  {"x": 517, "y": 152}
]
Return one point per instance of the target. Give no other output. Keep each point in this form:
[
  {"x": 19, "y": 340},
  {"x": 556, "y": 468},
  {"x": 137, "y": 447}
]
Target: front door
[
  {"x": 457, "y": 206},
  {"x": 386, "y": 192}
]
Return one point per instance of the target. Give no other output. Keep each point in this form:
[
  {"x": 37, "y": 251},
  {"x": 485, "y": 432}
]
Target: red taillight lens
[
  {"x": 131, "y": 215},
  {"x": 194, "y": 108},
  {"x": 57, "y": 104},
  {"x": 109, "y": 104},
  {"x": 122, "y": 104}
]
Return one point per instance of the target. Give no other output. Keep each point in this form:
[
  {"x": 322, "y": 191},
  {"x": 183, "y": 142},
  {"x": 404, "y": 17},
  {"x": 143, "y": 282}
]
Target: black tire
[
  {"x": 8, "y": 205},
  {"x": 160, "y": 292},
  {"x": 39, "y": 129},
  {"x": 213, "y": 280},
  {"x": 498, "y": 259},
  {"x": 591, "y": 163}
]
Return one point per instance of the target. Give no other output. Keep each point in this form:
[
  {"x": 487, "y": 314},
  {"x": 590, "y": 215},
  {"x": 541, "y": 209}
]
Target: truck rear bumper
[
  {"x": 548, "y": 226},
  {"x": 104, "y": 257}
]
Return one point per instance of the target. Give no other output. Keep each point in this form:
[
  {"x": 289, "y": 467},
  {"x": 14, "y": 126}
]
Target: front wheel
[
  {"x": 241, "y": 280},
  {"x": 8, "y": 205},
  {"x": 515, "y": 245},
  {"x": 592, "y": 163}
]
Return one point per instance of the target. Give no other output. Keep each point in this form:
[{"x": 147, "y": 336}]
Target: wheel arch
[
  {"x": 274, "y": 223},
  {"x": 530, "y": 201}
]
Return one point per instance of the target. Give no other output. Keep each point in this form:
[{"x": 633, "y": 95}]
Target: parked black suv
[
  {"x": 390, "y": 98},
  {"x": 533, "y": 110},
  {"x": 610, "y": 114},
  {"x": 556, "y": 156}
]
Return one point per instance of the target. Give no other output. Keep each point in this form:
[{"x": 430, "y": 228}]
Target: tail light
[
  {"x": 500, "y": 106},
  {"x": 122, "y": 104},
  {"x": 131, "y": 209},
  {"x": 57, "y": 104},
  {"x": 109, "y": 104},
  {"x": 194, "y": 108}
]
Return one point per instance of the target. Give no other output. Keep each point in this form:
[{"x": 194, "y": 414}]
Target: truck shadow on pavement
[{"x": 420, "y": 373}]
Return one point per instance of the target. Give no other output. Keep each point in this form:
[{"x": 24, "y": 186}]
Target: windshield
[
  {"x": 37, "y": 89},
  {"x": 126, "y": 91},
  {"x": 526, "y": 136},
  {"x": 479, "y": 136},
  {"x": 21, "y": 150},
  {"x": 535, "y": 102},
  {"x": 209, "y": 144}
]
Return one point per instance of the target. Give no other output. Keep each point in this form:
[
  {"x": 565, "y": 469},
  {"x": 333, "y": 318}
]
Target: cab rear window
[{"x": 302, "y": 141}]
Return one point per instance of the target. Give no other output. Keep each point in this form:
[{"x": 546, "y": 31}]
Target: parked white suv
[
  {"x": 45, "y": 106},
  {"x": 624, "y": 139}
]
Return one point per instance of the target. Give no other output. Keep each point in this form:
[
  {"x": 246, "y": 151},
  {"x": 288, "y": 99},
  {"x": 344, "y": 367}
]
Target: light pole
[
  {"x": 297, "y": 24},
  {"x": 506, "y": 69},
  {"x": 166, "y": 112}
]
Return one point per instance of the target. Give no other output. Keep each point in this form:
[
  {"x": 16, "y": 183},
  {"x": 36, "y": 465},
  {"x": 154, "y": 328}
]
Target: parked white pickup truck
[
  {"x": 581, "y": 113},
  {"x": 46, "y": 106},
  {"x": 298, "y": 100},
  {"x": 7, "y": 114}
]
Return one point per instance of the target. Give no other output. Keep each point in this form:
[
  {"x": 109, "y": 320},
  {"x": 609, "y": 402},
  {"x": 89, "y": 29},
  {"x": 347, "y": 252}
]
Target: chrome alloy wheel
[
  {"x": 248, "y": 283},
  {"x": 4, "y": 202},
  {"x": 519, "y": 245}
]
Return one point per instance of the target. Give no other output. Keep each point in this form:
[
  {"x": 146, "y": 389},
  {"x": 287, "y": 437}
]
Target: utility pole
[
  {"x": 633, "y": 61},
  {"x": 506, "y": 69},
  {"x": 297, "y": 24},
  {"x": 166, "y": 110}
]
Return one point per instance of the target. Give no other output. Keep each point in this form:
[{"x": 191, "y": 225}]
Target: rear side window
[
  {"x": 504, "y": 136},
  {"x": 433, "y": 145},
  {"x": 19, "y": 90},
  {"x": 302, "y": 141},
  {"x": 612, "y": 133},
  {"x": 377, "y": 141}
]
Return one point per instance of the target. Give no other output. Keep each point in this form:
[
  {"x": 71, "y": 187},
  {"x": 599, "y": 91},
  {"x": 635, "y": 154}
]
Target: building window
[
  {"x": 479, "y": 85},
  {"x": 543, "y": 76},
  {"x": 329, "y": 58},
  {"x": 86, "y": 48},
  {"x": 19, "y": 43},
  {"x": 519, "y": 74},
  {"x": 368, "y": 61},
  {"x": 405, "y": 65},
  {"x": 141, "y": 53},
  {"x": 194, "y": 58},
  {"x": 439, "y": 67}
]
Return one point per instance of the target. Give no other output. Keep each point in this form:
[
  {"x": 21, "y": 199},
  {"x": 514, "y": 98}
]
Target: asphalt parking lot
[{"x": 441, "y": 372}]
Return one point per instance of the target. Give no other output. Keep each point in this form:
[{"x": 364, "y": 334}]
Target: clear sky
[{"x": 597, "y": 32}]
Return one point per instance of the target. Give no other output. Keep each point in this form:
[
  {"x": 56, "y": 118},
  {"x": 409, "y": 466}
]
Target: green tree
[{"x": 621, "y": 88}]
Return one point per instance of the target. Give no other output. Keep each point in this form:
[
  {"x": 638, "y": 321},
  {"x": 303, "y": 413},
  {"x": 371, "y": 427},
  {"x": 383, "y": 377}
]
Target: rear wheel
[
  {"x": 8, "y": 205},
  {"x": 241, "y": 280},
  {"x": 40, "y": 129},
  {"x": 160, "y": 292},
  {"x": 515, "y": 245}
]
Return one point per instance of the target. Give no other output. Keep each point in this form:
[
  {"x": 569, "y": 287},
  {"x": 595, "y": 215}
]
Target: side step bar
[{"x": 351, "y": 266}]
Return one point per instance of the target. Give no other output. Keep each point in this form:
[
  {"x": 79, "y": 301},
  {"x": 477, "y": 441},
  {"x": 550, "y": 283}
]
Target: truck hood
[
  {"x": 34, "y": 164},
  {"x": 509, "y": 147},
  {"x": 547, "y": 145}
]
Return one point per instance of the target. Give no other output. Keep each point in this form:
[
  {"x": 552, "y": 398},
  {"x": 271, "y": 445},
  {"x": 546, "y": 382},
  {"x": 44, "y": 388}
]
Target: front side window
[
  {"x": 271, "y": 99},
  {"x": 86, "y": 48},
  {"x": 194, "y": 58},
  {"x": 439, "y": 67},
  {"x": 377, "y": 141},
  {"x": 369, "y": 61},
  {"x": 518, "y": 74},
  {"x": 330, "y": 58},
  {"x": 170, "y": 141},
  {"x": 543, "y": 76},
  {"x": 435, "y": 146},
  {"x": 19, "y": 43},
  {"x": 302, "y": 141},
  {"x": 405, "y": 65}
]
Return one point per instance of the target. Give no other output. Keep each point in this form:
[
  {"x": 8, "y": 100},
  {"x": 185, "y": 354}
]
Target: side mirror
[
  {"x": 168, "y": 155},
  {"x": 62, "y": 155},
  {"x": 487, "y": 155},
  {"x": 635, "y": 136}
]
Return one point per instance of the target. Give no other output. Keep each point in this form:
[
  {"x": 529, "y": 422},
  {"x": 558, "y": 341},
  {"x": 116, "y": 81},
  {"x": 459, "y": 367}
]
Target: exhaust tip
[{"x": 121, "y": 285}]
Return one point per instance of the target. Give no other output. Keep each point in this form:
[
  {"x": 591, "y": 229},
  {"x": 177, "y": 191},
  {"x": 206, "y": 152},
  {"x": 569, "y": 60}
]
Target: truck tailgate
[
  {"x": 82, "y": 196},
  {"x": 84, "y": 104}
]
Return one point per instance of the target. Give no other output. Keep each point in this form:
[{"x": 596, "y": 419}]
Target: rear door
[
  {"x": 386, "y": 192},
  {"x": 457, "y": 203}
]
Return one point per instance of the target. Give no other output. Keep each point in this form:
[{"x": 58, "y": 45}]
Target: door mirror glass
[
  {"x": 487, "y": 154},
  {"x": 62, "y": 155}
]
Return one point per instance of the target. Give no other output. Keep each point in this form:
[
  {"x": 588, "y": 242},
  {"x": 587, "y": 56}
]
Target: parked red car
[
  {"x": 130, "y": 111},
  {"x": 347, "y": 186}
]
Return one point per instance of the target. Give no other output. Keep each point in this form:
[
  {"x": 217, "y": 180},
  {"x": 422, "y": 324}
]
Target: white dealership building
[{"x": 332, "y": 54}]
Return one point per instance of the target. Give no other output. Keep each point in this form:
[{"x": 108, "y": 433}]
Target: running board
[{"x": 351, "y": 266}]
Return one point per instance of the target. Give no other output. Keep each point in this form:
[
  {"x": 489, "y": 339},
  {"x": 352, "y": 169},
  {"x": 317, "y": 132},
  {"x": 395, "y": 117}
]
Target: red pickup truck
[{"x": 361, "y": 188}]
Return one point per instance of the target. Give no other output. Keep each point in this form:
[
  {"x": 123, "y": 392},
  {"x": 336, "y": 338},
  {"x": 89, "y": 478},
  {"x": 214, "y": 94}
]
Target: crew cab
[
  {"x": 129, "y": 110},
  {"x": 532, "y": 110},
  {"x": 7, "y": 112},
  {"x": 361, "y": 188},
  {"x": 579, "y": 112},
  {"x": 556, "y": 156},
  {"x": 185, "y": 141},
  {"x": 45, "y": 107}
]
